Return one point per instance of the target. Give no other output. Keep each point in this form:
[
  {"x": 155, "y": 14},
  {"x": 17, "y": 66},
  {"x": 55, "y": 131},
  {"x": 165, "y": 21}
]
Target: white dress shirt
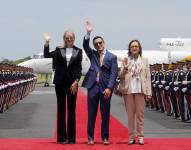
[{"x": 68, "y": 54}]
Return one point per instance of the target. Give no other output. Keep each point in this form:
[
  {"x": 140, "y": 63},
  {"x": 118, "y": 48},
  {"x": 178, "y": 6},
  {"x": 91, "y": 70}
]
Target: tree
[{"x": 5, "y": 60}]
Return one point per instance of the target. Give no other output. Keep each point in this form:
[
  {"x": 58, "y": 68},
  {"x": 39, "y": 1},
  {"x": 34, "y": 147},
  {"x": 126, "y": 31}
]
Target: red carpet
[{"x": 118, "y": 137}]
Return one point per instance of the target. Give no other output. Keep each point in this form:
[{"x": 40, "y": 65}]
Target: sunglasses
[
  {"x": 134, "y": 46},
  {"x": 98, "y": 43},
  {"x": 69, "y": 38}
]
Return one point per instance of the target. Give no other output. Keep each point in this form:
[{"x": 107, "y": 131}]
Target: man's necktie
[{"x": 101, "y": 63}]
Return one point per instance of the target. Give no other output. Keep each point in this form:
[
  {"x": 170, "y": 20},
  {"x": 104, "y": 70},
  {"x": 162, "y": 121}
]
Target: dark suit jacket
[
  {"x": 108, "y": 71},
  {"x": 65, "y": 74}
]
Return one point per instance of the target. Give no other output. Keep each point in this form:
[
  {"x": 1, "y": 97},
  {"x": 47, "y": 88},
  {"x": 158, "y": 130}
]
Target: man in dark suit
[
  {"x": 67, "y": 64},
  {"x": 100, "y": 81}
]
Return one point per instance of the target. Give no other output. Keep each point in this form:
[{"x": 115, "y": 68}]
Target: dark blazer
[
  {"x": 108, "y": 71},
  {"x": 65, "y": 74}
]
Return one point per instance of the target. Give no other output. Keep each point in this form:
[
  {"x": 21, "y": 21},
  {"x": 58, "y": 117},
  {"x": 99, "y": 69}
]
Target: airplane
[
  {"x": 169, "y": 44},
  {"x": 170, "y": 52},
  {"x": 41, "y": 65}
]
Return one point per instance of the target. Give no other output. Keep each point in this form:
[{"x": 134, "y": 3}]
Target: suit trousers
[
  {"x": 62, "y": 134},
  {"x": 135, "y": 104},
  {"x": 94, "y": 97}
]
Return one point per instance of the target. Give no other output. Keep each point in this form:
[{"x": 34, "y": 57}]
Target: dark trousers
[
  {"x": 181, "y": 104},
  {"x": 188, "y": 98},
  {"x": 174, "y": 103},
  {"x": 94, "y": 97},
  {"x": 154, "y": 98},
  {"x": 159, "y": 99},
  {"x": 62, "y": 134}
]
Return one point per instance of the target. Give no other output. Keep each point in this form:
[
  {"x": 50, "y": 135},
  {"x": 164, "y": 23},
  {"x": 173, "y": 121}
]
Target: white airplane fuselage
[{"x": 44, "y": 65}]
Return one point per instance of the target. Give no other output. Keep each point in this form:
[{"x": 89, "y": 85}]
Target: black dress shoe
[
  {"x": 176, "y": 116},
  {"x": 72, "y": 141},
  {"x": 169, "y": 114},
  {"x": 162, "y": 110},
  {"x": 62, "y": 142},
  {"x": 157, "y": 108}
]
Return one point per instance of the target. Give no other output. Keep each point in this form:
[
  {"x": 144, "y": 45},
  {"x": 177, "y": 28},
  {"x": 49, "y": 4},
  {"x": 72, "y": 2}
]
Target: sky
[{"x": 23, "y": 23}]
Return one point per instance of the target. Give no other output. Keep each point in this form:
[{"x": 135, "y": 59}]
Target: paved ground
[
  {"x": 156, "y": 124},
  {"x": 35, "y": 117}
]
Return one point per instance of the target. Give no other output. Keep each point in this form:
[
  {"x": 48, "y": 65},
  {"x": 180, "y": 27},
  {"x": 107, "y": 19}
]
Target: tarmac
[{"x": 35, "y": 117}]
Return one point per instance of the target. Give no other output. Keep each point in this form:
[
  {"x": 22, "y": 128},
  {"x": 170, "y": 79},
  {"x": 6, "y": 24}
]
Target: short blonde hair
[{"x": 68, "y": 31}]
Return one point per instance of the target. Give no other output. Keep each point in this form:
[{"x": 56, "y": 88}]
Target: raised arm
[
  {"x": 86, "y": 46},
  {"x": 123, "y": 69},
  {"x": 47, "y": 54}
]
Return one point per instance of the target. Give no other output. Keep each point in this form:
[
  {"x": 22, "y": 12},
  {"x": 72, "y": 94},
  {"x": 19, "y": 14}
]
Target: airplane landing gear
[{"x": 46, "y": 84}]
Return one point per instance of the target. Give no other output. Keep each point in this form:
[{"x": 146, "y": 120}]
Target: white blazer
[{"x": 145, "y": 76}]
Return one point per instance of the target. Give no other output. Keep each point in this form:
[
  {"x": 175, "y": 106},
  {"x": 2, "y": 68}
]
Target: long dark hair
[{"x": 140, "y": 47}]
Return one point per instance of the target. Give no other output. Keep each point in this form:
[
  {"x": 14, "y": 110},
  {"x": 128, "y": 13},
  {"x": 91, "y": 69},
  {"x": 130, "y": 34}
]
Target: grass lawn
[{"x": 41, "y": 78}]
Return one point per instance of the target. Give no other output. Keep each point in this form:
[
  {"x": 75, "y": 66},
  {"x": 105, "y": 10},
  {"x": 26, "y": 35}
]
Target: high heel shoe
[
  {"x": 141, "y": 141},
  {"x": 131, "y": 141}
]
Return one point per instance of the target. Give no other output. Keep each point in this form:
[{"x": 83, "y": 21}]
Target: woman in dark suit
[{"x": 67, "y": 64}]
